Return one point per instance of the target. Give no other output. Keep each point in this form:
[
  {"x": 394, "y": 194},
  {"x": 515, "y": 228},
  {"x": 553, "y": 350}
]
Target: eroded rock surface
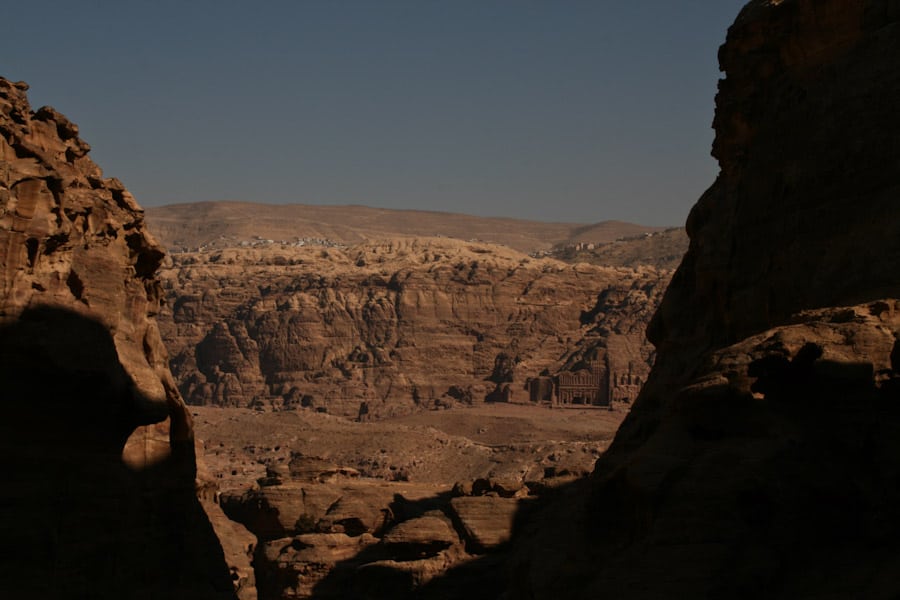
[
  {"x": 359, "y": 538},
  {"x": 381, "y": 329},
  {"x": 385, "y": 509},
  {"x": 97, "y": 445},
  {"x": 760, "y": 460}
]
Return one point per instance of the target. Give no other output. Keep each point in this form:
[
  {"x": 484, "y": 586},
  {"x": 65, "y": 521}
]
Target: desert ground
[{"x": 519, "y": 441}]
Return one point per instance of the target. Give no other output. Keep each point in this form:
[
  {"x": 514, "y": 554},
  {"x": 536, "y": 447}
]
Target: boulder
[{"x": 486, "y": 521}]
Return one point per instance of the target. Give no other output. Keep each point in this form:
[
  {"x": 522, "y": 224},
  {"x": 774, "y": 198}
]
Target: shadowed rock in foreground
[
  {"x": 762, "y": 458},
  {"x": 97, "y": 447},
  {"x": 78, "y": 520}
]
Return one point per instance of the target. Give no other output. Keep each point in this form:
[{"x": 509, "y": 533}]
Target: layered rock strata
[
  {"x": 97, "y": 446},
  {"x": 760, "y": 460},
  {"x": 381, "y": 329}
]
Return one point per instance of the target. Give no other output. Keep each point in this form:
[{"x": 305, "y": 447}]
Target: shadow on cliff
[
  {"x": 379, "y": 573},
  {"x": 76, "y": 521},
  {"x": 789, "y": 490}
]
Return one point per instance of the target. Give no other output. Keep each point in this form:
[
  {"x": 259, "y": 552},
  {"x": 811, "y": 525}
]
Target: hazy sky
[{"x": 552, "y": 110}]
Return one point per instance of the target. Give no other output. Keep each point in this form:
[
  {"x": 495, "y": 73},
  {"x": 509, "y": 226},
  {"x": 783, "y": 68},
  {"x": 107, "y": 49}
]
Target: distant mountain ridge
[{"x": 189, "y": 226}]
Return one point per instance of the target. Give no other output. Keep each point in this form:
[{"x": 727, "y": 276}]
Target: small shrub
[{"x": 306, "y": 523}]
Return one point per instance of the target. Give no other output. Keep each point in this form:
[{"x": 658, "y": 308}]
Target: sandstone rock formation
[
  {"x": 349, "y": 509},
  {"x": 383, "y": 328},
  {"x": 358, "y": 538},
  {"x": 760, "y": 460},
  {"x": 97, "y": 445}
]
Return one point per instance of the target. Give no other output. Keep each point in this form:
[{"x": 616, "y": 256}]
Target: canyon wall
[
  {"x": 97, "y": 444},
  {"x": 761, "y": 458},
  {"x": 383, "y": 328}
]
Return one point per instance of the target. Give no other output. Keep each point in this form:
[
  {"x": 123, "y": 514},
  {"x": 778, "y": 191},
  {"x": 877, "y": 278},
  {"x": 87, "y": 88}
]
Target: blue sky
[{"x": 563, "y": 110}]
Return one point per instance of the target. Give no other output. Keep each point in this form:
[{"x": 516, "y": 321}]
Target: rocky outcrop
[
  {"x": 486, "y": 520},
  {"x": 97, "y": 445},
  {"x": 382, "y": 329},
  {"x": 347, "y": 509},
  {"x": 760, "y": 459},
  {"x": 347, "y": 537}
]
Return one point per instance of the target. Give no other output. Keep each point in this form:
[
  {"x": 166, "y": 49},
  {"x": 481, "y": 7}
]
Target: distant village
[
  {"x": 567, "y": 250},
  {"x": 259, "y": 242}
]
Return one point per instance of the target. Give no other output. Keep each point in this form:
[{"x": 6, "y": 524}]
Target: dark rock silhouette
[
  {"x": 97, "y": 445},
  {"x": 78, "y": 522},
  {"x": 761, "y": 458}
]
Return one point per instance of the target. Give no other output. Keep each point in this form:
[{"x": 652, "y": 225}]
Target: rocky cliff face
[
  {"x": 380, "y": 329},
  {"x": 760, "y": 460},
  {"x": 96, "y": 442},
  {"x": 806, "y": 141}
]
